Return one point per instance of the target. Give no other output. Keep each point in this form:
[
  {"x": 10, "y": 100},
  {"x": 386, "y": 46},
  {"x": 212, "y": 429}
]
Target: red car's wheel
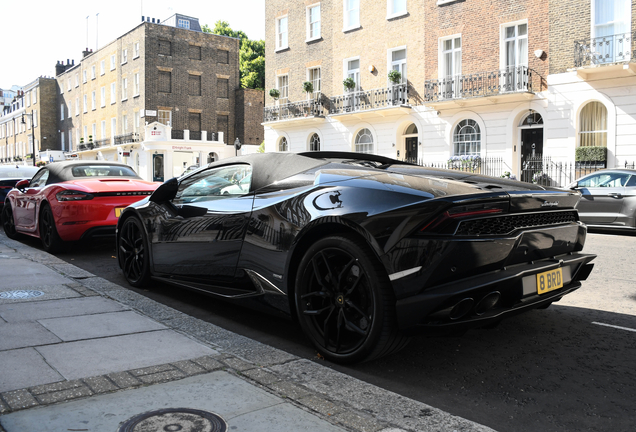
[
  {"x": 345, "y": 303},
  {"x": 133, "y": 253},
  {"x": 7, "y": 221},
  {"x": 51, "y": 241}
]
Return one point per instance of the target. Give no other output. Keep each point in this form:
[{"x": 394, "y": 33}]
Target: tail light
[
  {"x": 73, "y": 195},
  {"x": 446, "y": 223}
]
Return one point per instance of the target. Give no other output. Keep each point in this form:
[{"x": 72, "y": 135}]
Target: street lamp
[{"x": 32, "y": 133}]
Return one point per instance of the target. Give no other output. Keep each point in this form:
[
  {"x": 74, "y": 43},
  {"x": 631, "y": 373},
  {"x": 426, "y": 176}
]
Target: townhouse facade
[
  {"x": 487, "y": 79},
  {"x": 29, "y": 119}
]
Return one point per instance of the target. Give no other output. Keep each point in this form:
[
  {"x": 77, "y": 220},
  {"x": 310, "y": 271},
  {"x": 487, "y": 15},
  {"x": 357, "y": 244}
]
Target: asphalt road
[{"x": 560, "y": 369}]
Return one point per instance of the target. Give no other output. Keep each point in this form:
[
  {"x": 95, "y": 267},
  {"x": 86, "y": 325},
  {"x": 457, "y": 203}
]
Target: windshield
[{"x": 102, "y": 171}]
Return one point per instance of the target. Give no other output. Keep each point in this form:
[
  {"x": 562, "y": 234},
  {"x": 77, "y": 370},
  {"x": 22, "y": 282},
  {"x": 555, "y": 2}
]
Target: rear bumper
[{"x": 456, "y": 306}]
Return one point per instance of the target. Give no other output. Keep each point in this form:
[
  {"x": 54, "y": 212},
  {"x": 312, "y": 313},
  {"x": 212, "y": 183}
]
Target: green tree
[{"x": 251, "y": 55}]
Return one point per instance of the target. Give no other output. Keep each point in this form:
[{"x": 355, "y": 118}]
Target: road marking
[{"x": 614, "y": 326}]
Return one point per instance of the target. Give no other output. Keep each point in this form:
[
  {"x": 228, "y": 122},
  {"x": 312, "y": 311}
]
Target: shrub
[
  {"x": 591, "y": 154},
  {"x": 349, "y": 84},
  {"x": 274, "y": 93},
  {"x": 395, "y": 77},
  {"x": 308, "y": 87}
]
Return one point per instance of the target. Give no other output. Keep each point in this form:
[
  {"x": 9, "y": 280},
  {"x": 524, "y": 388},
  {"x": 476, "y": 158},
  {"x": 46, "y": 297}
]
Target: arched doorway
[
  {"x": 531, "y": 154},
  {"x": 212, "y": 157},
  {"x": 408, "y": 150}
]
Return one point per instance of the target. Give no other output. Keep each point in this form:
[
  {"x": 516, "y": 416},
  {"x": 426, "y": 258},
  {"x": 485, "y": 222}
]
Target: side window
[
  {"x": 40, "y": 179},
  {"x": 605, "y": 180},
  {"x": 214, "y": 184},
  {"x": 631, "y": 182}
]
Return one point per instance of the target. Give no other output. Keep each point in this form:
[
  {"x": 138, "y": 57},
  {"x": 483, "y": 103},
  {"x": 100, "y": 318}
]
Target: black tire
[
  {"x": 345, "y": 303},
  {"x": 8, "y": 224},
  {"x": 132, "y": 252},
  {"x": 51, "y": 241}
]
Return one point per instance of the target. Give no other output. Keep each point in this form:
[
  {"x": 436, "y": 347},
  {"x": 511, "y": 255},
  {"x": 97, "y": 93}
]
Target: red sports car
[{"x": 73, "y": 200}]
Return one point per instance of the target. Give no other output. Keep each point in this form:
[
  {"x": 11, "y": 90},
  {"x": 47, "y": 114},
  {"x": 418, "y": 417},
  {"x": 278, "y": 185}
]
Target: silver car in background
[{"x": 608, "y": 199}]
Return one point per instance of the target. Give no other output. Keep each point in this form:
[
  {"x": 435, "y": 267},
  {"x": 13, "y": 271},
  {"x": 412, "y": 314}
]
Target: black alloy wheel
[
  {"x": 51, "y": 241},
  {"x": 8, "y": 224},
  {"x": 132, "y": 252},
  {"x": 345, "y": 303}
]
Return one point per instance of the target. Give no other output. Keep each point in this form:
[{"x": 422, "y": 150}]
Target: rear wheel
[
  {"x": 345, "y": 303},
  {"x": 8, "y": 224},
  {"x": 132, "y": 252},
  {"x": 51, "y": 241}
]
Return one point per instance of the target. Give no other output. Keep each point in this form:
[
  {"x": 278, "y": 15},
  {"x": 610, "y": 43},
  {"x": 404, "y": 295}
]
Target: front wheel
[
  {"x": 132, "y": 252},
  {"x": 8, "y": 224},
  {"x": 51, "y": 241},
  {"x": 345, "y": 303}
]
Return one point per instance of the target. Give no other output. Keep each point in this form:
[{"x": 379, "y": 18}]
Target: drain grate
[
  {"x": 175, "y": 420},
  {"x": 20, "y": 294}
]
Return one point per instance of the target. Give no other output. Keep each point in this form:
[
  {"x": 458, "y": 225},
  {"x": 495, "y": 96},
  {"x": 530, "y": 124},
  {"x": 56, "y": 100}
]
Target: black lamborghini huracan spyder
[{"x": 361, "y": 249}]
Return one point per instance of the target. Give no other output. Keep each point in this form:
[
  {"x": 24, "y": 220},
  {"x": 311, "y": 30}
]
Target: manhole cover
[
  {"x": 175, "y": 420},
  {"x": 20, "y": 294}
]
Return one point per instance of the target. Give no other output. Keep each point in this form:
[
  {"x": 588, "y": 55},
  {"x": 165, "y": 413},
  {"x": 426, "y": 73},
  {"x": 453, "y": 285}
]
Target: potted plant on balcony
[
  {"x": 308, "y": 87},
  {"x": 275, "y": 94},
  {"x": 90, "y": 138},
  {"x": 349, "y": 84},
  {"x": 395, "y": 78}
]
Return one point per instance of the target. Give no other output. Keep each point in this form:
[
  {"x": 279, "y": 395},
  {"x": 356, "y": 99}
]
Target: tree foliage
[{"x": 251, "y": 55}]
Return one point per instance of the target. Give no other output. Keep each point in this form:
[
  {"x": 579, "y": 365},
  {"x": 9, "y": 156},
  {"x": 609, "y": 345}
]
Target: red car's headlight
[{"x": 73, "y": 195}]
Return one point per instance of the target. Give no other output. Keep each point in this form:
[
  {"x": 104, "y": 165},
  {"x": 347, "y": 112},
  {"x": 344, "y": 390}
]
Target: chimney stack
[
  {"x": 59, "y": 68},
  {"x": 85, "y": 52}
]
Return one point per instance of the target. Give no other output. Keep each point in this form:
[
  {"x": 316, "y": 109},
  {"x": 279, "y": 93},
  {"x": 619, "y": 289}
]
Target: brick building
[
  {"x": 29, "y": 118},
  {"x": 473, "y": 78},
  {"x": 169, "y": 72}
]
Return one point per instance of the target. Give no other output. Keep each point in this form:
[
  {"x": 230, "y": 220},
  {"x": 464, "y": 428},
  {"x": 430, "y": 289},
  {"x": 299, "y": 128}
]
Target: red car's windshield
[{"x": 102, "y": 171}]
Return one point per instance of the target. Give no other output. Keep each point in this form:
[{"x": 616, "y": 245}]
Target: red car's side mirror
[{"x": 22, "y": 184}]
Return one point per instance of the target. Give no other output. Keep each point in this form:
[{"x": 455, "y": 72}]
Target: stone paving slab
[
  {"x": 88, "y": 358},
  {"x": 17, "y": 312},
  {"x": 25, "y": 334},
  {"x": 27, "y": 368},
  {"x": 99, "y": 325},
  {"x": 50, "y": 292},
  {"x": 23, "y": 272},
  {"x": 241, "y": 405}
]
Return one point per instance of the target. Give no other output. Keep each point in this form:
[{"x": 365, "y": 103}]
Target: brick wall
[{"x": 249, "y": 116}]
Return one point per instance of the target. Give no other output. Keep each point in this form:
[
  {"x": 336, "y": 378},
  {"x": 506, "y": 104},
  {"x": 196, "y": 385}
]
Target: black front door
[
  {"x": 411, "y": 150},
  {"x": 531, "y": 153},
  {"x": 157, "y": 168}
]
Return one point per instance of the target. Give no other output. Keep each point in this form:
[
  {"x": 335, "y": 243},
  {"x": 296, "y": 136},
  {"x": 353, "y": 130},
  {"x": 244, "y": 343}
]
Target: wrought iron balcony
[
  {"x": 127, "y": 138},
  {"x": 292, "y": 110},
  {"x": 618, "y": 48},
  {"x": 103, "y": 142},
  {"x": 499, "y": 82},
  {"x": 366, "y": 100}
]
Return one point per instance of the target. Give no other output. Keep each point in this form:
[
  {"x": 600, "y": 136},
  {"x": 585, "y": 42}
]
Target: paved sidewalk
[{"x": 80, "y": 353}]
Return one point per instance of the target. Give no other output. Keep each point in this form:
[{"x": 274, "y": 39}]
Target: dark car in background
[
  {"x": 360, "y": 249},
  {"x": 10, "y": 175},
  {"x": 608, "y": 199}
]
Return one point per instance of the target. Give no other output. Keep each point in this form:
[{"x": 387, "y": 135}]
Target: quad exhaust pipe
[{"x": 467, "y": 305}]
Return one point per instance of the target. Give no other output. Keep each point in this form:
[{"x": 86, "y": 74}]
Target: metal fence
[
  {"x": 545, "y": 172},
  {"x": 363, "y": 100},
  {"x": 487, "y": 166},
  {"x": 290, "y": 110}
]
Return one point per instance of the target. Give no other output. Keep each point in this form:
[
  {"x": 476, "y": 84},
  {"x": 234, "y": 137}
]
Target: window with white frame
[
  {"x": 34, "y": 95},
  {"x": 70, "y": 139},
  {"x": 61, "y": 111},
  {"x": 313, "y": 76},
  {"x": 84, "y": 74},
  {"x": 135, "y": 50},
  {"x": 103, "y": 129},
  {"x": 62, "y": 139},
  {"x": 94, "y": 131},
  {"x": 93, "y": 100},
  {"x": 353, "y": 72},
  {"x": 396, "y": 8},
  {"x": 314, "y": 142},
  {"x": 76, "y": 80},
  {"x": 398, "y": 62},
  {"x": 313, "y": 22},
  {"x": 351, "y": 14},
  {"x": 124, "y": 124},
  {"x": 136, "y": 121},
  {"x": 77, "y": 111},
  {"x": 113, "y": 93},
  {"x": 124, "y": 89},
  {"x": 78, "y": 135},
  {"x": 28, "y": 99},
  {"x": 515, "y": 56},
  {"x": 124, "y": 56},
  {"x": 364, "y": 141},
  {"x": 68, "y": 84},
  {"x": 593, "y": 125},
  {"x": 467, "y": 138},
  {"x": 283, "y": 146},
  {"x": 112, "y": 62},
  {"x": 183, "y": 23},
  {"x": 164, "y": 117},
  {"x": 136, "y": 85},
  {"x": 85, "y": 103},
  {"x": 69, "y": 111},
  {"x": 102, "y": 67},
  {"x": 281, "y": 33},
  {"x": 86, "y": 133},
  {"x": 451, "y": 66},
  {"x": 113, "y": 127},
  {"x": 611, "y": 24},
  {"x": 282, "y": 84},
  {"x": 35, "y": 118},
  {"x": 102, "y": 98},
  {"x": 93, "y": 72}
]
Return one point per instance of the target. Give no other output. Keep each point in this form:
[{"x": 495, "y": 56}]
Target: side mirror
[
  {"x": 22, "y": 184},
  {"x": 165, "y": 192},
  {"x": 573, "y": 185}
]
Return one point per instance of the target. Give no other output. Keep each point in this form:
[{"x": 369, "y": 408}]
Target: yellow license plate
[
  {"x": 118, "y": 211},
  {"x": 549, "y": 281}
]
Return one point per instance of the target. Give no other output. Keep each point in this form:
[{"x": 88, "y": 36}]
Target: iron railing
[
  {"x": 509, "y": 80},
  {"x": 543, "y": 171},
  {"x": 492, "y": 166},
  {"x": 601, "y": 50},
  {"x": 177, "y": 134},
  {"x": 195, "y": 135},
  {"x": 103, "y": 142},
  {"x": 126, "y": 138},
  {"x": 364, "y": 100},
  {"x": 291, "y": 110},
  {"x": 211, "y": 136}
]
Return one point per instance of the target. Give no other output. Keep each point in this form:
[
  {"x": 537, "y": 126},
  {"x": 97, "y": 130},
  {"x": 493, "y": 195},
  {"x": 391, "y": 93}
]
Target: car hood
[{"x": 111, "y": 185}]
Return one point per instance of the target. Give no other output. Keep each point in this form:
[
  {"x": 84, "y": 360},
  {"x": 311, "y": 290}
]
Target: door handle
[{"x": 615, "y": 195}]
